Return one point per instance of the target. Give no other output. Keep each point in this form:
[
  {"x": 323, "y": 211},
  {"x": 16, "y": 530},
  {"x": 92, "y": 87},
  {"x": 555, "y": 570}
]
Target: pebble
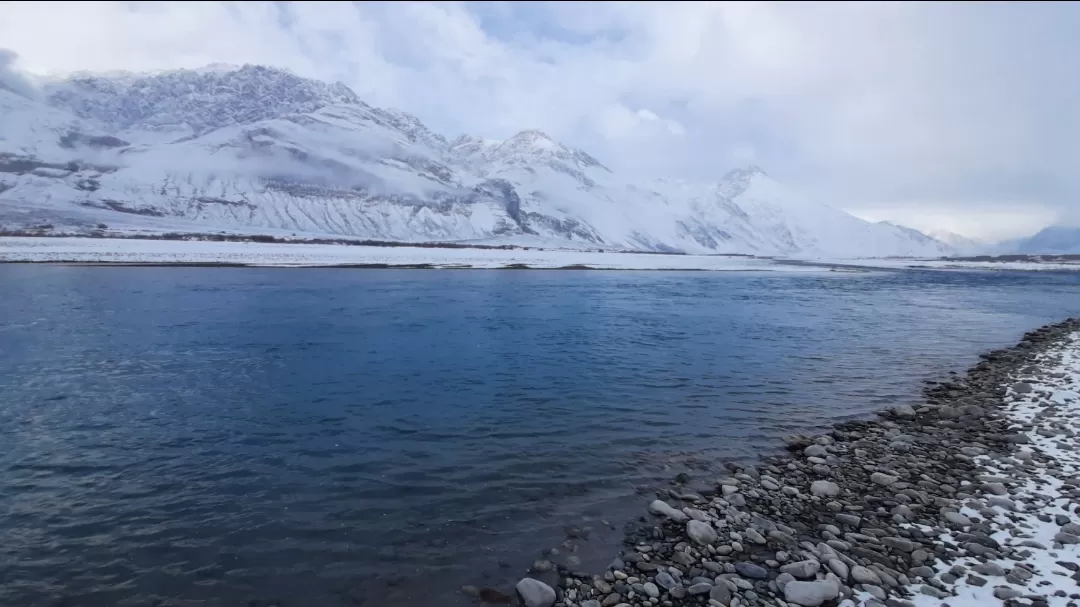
[
  {"x": 535, "y": 593},
  {"x": 665, "y": 580},
  {"x": 883, "y": 479},
  {"x": 824, "y": 489},
  {"x": 811, "y": 594},
  {"x": 863, "y": 575},
  {"x": 702, "y": 533},
  {"x": 751, "y": 570},
  {"x": 958, "y": 519},
  {"x": 662, "y": 508},
  {"x": 801, "y": 569}
]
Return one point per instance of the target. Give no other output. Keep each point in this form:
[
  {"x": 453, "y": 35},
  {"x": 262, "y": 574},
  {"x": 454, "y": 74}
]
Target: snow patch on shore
[
  {"x": 1050, "y": 415},
  {"x": 108, "y": 250}
]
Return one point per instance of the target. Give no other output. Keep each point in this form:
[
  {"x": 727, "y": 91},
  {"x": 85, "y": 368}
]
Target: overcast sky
[{"x": 962, "y": 116}]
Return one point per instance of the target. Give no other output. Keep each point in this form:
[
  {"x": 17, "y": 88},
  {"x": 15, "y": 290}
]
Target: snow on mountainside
[
  {"x": 960, "y": 243},
  {"x": 1050, "y": 240},
  {"x": 259, "y": 149}
]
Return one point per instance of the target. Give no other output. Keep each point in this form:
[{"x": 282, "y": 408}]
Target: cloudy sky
[{"x": 962, "y": 116}]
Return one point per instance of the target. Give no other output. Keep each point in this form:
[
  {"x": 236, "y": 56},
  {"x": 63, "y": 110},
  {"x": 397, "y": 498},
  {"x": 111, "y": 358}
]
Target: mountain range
[{"x": 260, "y": 150}]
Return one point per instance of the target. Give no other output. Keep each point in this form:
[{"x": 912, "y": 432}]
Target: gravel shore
[{"x": 969, "y": 500}]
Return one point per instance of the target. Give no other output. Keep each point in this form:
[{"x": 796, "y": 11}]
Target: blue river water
[{"x": 241, "y": 436}]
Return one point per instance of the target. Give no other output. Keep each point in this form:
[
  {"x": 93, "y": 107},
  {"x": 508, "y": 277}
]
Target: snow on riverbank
[
  {"x": 950, "y": 264},
  {"x": 1036, "y": 522},
  {"x": 107, "y": 250}
]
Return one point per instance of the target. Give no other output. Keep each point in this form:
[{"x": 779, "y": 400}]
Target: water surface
[{"x": 216, "y": 436}]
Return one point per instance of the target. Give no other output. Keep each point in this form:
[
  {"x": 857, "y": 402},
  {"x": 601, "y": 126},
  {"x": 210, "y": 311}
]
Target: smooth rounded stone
[
  {"x": 923, "y": 571},
  {"x": 1070, "y": 528},
  {"x": 815, "y": 451},
  {"x": 839, "y": 568},
  {"x": 611, "y": 600},
  {"x": 754, "y": 536},
  {"x": 701, "y": 588},
  {"x": 737, "y": 500},
  {"x": 602, "y": 586},
  {"x": 848, "y": 519},
  {"x": 1063, "y": 519},
  {"x": 834, "y": 506},
  {"x": 1066, "y": 538},
  {"x": 1005, "y": 593},
  {"x": 811, "y": 594},
  {"x": 768, "y": 484},
  {"x": 920, "y": 556},
  {"x": 789, "y": 491},
  {"x": 863, "y": 575},
  {"x": 883, "y": 479},
  {"x": 929, "y": 590},
  {"x": 542, "y": 566},
  {"x": 677, "y": 592},
  {"x": 724, "y": 550},
  {"x": 783, "y": 579},
  {"x": 802, "y": 569},
  {"x": 958, "y": 519},
  {"x": 698, "y": 515},
  {"x": 535, "y": 593},
  {"x": 702, "y": 533},
  {"x": 780, "y": 537},
  {"x": 720, "y": 594},
  {"x": 903, "y": 411},
  {"x": 824, "y": 489},
  {"x": 821, "y": 470},
  {"x": 994, "y": 489},
  {"x": 875, "y": 591},
  {"x": 899, "y": 543},
  {"x": 591, "y": 603},
  {"x": 728, "y": 489},
  {"x": 750, "y": 570},
  {"x": 1021, "y": 387},
  {"x": 650, "y": 589},
  {"x": 665, "y": 580},
  {"x": 989, "y": 569},
  {"x": 661, "y": 508}
]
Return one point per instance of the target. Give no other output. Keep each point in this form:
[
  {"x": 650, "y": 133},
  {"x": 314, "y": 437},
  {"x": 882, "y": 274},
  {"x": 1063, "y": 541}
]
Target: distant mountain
[
  {"x": 1051, "y": 240},
  {"x": 962, "y": 244},
  {"x": 259, "y": 149}
]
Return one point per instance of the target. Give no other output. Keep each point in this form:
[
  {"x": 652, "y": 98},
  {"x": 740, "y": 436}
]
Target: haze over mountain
[{"x": 260, "y": 149}]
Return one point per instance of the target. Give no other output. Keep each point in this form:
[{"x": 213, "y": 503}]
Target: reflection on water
[{"x": 214, "y": 436}]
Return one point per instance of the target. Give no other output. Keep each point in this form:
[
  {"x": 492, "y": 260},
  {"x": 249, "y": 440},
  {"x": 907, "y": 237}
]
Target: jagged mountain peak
[
  {"x": 738, "y": 180},
  {"x": 198, "y": 100}
]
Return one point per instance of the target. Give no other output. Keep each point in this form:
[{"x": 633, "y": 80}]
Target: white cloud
[{"x": 896, "y": 103}]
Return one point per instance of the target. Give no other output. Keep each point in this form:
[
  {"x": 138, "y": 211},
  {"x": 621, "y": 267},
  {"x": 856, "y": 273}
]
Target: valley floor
[
  {"x": 76, "y": 250},
  {"x": 165, "y": 252}
]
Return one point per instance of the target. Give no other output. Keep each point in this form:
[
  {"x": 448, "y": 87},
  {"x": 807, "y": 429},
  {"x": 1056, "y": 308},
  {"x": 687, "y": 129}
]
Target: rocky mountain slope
[{"x": 261, "y": 150}]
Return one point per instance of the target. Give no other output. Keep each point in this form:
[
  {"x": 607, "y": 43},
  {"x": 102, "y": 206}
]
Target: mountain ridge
[{"x": 254, "y": 147}]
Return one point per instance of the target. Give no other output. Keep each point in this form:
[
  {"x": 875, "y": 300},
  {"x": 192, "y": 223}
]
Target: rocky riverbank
[{"x": 971, "y": 499}]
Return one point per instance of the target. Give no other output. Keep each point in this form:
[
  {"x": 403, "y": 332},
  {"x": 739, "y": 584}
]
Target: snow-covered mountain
[
  {"x": 261, "y": 150},
  {"x": 1059, "y": 240},
  {"x": 962, "y": 244}
]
